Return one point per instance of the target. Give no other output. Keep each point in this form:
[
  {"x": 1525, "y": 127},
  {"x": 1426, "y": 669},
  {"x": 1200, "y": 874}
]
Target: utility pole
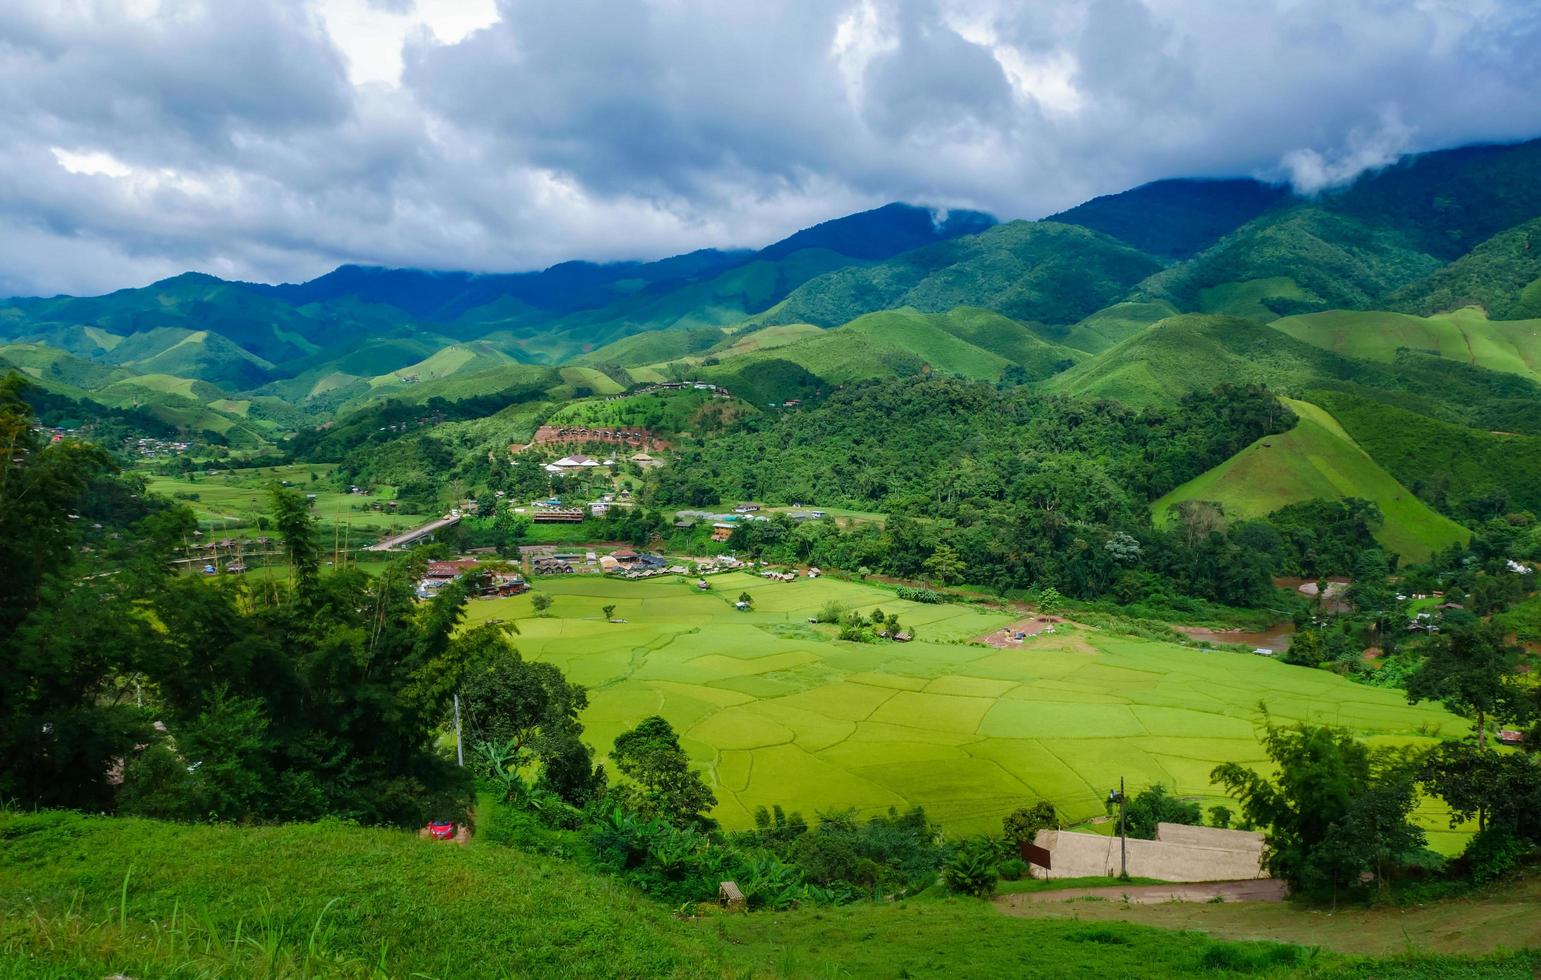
[
  {"x": 1117, "y": 796},
  {"x": 1123, "y": 838},
  {"x": 460, "y": 756}
]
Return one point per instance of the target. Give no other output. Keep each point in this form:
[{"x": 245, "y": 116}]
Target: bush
[
  {"x": 971, "y": 868},
  {"x": 1156, "y": 805},
  {"x": 1023, "y": 823},
  {"x": 920, "y": 595},
  {"x": 830, "y": 612},
  {"x": 1013, "y": 869},
  {"x": 1493, "y": 853}
]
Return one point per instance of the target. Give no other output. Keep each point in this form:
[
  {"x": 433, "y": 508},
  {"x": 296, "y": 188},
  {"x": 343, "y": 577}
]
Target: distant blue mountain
[
  {"x": 572, "y": 286},
  {"x": 882, "y": 232},
  {"x": 1175, "y": 219}
]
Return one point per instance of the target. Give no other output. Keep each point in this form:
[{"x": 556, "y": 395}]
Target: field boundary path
[{"x": 1250, "y": 890}]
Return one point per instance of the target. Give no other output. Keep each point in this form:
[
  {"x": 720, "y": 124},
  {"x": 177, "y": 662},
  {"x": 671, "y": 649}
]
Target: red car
[{"x": 441, "y": 831}]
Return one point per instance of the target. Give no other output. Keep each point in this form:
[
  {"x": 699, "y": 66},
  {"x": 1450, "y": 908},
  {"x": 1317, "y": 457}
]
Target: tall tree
[
  {"x": 524, "y": 715},
  {"x": 650, "y": 755},
  {"x": 1335, "y": 810},
  {"x": 1471, "y": 670},
  {"x": 1502, "y": 789},
  {"x": 69, "y": 639}
]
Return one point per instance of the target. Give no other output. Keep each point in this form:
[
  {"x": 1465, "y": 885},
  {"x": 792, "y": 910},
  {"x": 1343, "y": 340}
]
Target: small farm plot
[{"x": 779, "y": 711}]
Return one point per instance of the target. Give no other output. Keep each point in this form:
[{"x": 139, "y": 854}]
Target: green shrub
[
  {"x": 830, "y": 612},
  {"x": 1023, "y": 823},
  {"x": 1013, "y": 869},
  {"x": 1493, "y": 853},
  {"x": 971, "y": 868}
]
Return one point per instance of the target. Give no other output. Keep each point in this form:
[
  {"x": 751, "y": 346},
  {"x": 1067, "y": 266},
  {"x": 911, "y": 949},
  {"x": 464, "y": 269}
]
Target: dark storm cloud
[{"x": 147, "y": 137}]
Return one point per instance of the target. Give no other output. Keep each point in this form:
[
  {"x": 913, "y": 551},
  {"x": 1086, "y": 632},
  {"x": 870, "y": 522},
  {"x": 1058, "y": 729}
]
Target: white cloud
[
  {"x": 1311, "y": 171},
  {"x": 90, "y": 162},
  {"x": 275, "y": 138},
  {"x": 371, "y": 33}
]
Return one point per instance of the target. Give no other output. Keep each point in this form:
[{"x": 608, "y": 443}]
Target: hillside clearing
[{"x": 1317, "y": 459}]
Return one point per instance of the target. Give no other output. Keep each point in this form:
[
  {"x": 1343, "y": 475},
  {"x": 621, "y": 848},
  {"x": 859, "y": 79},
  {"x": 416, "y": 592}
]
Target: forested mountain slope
[
  {"x": 1033, "y": 271},
  {"x": 1174, "y": 219}
]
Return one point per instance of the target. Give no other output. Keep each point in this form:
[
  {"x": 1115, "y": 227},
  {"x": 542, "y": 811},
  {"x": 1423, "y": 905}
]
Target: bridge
[{"x": 406, "y": 538}]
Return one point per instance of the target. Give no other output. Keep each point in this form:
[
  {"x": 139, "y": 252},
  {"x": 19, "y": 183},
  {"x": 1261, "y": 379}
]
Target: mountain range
[{"x": 1416, "y": 286}]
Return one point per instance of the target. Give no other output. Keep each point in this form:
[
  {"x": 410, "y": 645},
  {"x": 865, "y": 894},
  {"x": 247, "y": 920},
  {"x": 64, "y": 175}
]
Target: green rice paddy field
[
  {"x": 234, "y": 498},
  {"x": 778, "y": 711}
]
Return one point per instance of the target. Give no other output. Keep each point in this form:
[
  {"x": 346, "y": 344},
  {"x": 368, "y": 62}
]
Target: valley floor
[{"x": 779, "y": 711}]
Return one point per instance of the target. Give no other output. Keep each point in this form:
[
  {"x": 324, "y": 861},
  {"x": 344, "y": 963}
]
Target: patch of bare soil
[{"x": 1016, "y": 634}]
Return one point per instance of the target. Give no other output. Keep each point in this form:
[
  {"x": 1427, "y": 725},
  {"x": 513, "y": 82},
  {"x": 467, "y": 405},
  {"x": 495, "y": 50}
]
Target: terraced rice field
[{"x": 778, "y": 711}]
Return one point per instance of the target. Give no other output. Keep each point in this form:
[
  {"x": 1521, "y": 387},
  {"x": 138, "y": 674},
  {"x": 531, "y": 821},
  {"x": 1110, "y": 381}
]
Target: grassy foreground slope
[
  {"x": 1317, "y": 459},
  {"x": 1512, "y": 346},
  {"x": 780, "y": 712},
  {"x": 97, "y": 896}
]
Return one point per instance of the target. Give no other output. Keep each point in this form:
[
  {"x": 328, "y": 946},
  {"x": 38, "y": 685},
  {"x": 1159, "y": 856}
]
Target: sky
[{"x": 272, "y": 140}]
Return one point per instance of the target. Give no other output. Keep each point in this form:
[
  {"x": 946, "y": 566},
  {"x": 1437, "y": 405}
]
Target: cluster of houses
[
  {"x": 579, "y": 463},
  {"x": 144, "y": 447},
  {"x": 1429, "y": 620},
  {"x": 553, "y": 510},
  {"x": 723, "y": 524},
  {"x": 623, "y": 562},
  {"x": 498, "y": 582},
  {"x": 153, "y": 448},
  {"x": 556, "y": 564},
  {"x": 636, "y": 564},
  {"x": 717, "y": 390},
  {"x": 432, "y": 419},
  {"x": 719, "y": 563}
]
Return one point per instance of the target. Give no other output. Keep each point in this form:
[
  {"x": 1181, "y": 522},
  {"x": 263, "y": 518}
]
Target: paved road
[
  {"x": 1253, "y": 890},
  {"x": 408, "y": 537}
]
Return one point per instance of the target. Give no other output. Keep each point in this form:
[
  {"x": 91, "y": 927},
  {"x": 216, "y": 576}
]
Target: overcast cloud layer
[{"x": 274, "y": 139}]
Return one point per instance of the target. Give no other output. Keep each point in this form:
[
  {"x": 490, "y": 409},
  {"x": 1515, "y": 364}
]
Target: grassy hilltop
[
  {"x": 1467, "y": 335},
  {"x": 1318, "y": 460}
]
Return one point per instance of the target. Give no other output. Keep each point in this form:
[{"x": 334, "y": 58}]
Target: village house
[
  {"x": 722, "y": 531},
  {"x": 573, "y": 464},
  {"x": 440, "y": 574},
  {"x": 557, "y": 515}
]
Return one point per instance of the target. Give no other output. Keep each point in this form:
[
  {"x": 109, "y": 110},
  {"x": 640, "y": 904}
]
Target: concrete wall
[
  {"x": 1233, "y": 840},
  {"x": 1086, "y": 855}
]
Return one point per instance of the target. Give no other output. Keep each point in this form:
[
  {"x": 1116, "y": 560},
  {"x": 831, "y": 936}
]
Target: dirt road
[{"x": 1257, "y": 890}]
